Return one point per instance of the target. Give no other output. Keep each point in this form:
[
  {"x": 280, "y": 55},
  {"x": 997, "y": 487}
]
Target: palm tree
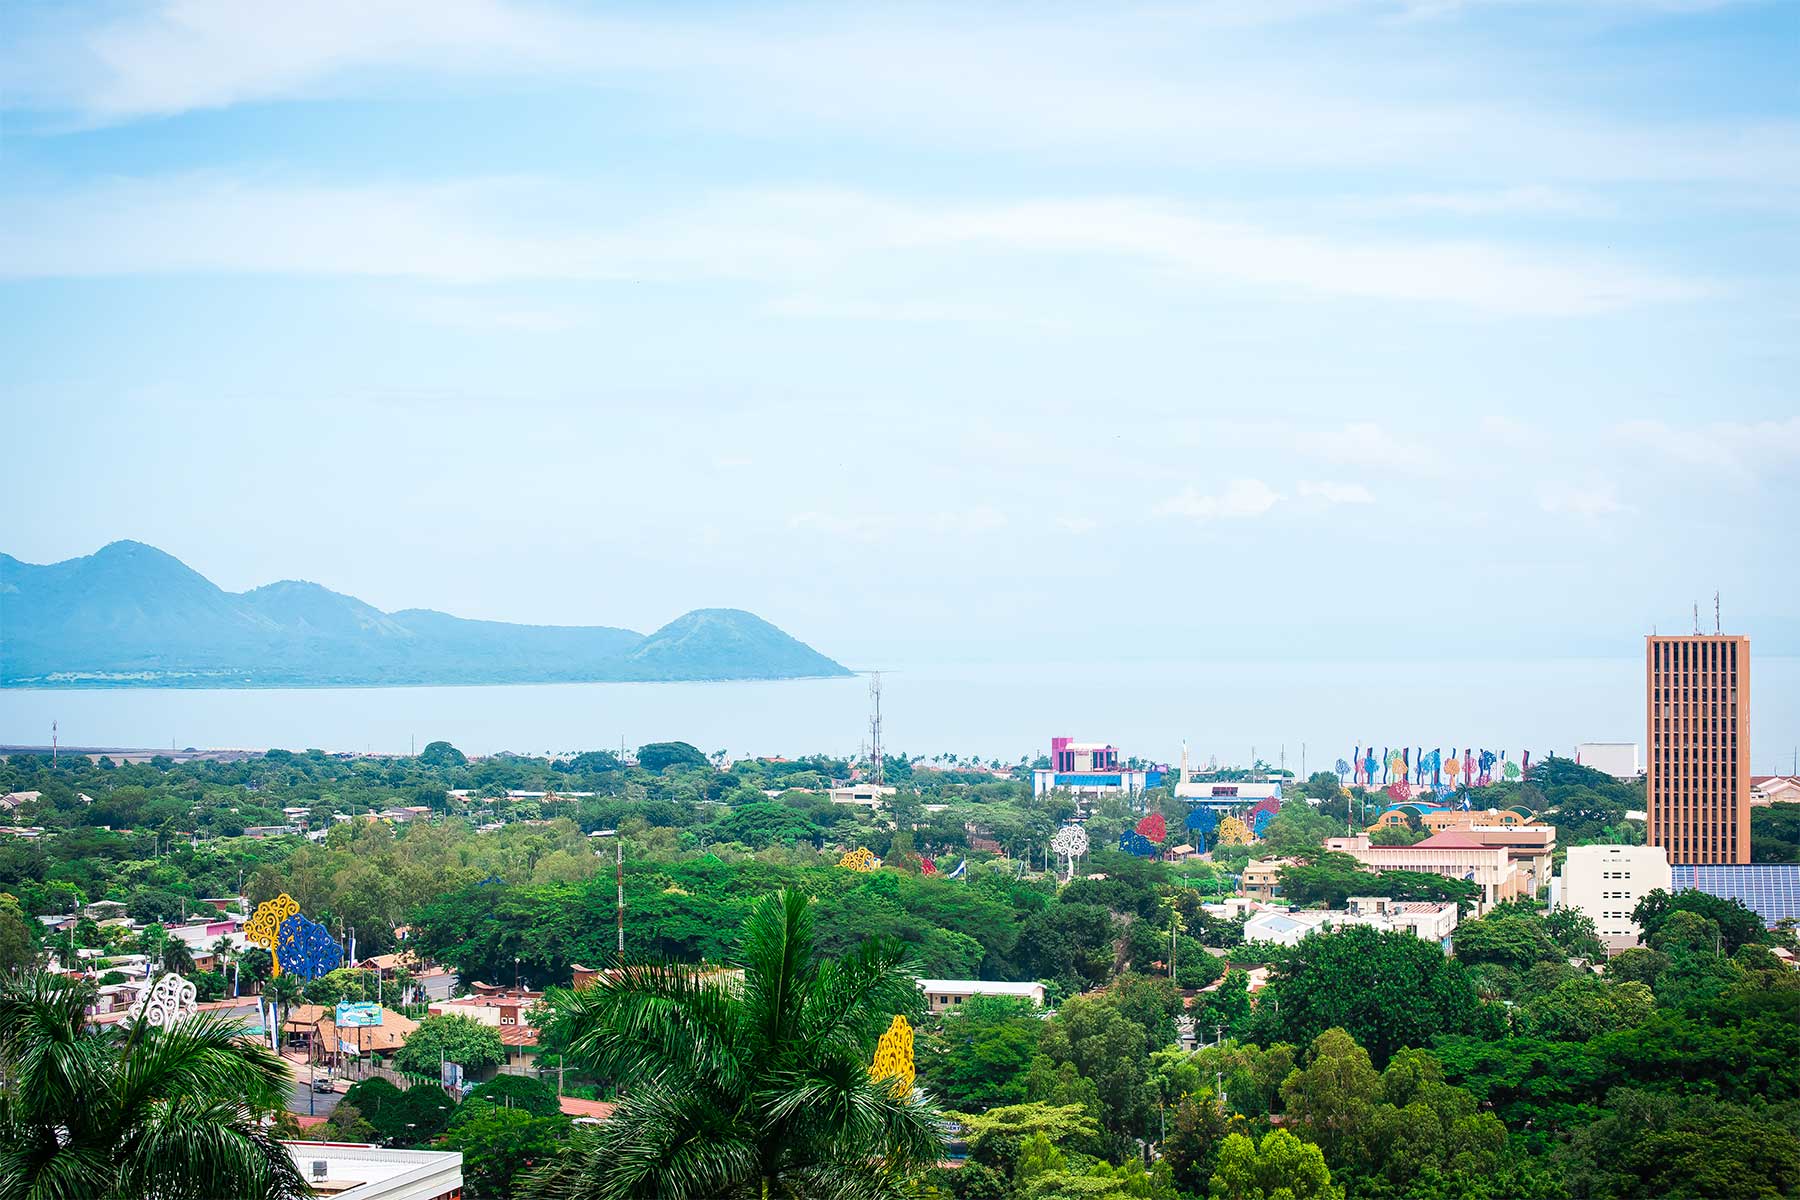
[
  {"x": 177, "y": 957},
  {"x": 751, "y": 1089},
  {"x": 101, "y": 1114}
]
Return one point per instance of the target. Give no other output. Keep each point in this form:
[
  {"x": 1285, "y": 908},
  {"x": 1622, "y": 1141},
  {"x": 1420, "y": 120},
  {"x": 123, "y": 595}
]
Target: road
[{"x": 305, "y": 1102}]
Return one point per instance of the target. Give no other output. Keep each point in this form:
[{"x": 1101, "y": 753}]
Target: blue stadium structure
[{"x": 1772, "y": 889}]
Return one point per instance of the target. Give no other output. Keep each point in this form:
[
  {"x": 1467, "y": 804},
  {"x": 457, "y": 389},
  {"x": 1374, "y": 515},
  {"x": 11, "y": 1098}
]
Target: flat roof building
[
  {"x": 1091, "y": 769},
  {"x": 1503, "y": 863},
  {"x": 1429, "y": 920},
  {"x": 1697, "y": 715},
  {"x": 1606, "y": 882},
  {"x": 941, "y": 994},
  {"x": 1618, "y": 759},
  {"x": 353, "y": 1171}
]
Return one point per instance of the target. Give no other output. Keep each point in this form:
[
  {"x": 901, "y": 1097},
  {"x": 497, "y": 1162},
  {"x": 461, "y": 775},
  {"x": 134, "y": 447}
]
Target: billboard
[{"x": 350, "y": 1016}]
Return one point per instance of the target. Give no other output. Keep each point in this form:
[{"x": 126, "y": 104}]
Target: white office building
[
  {"x": 1618, "y": 759},
  {"x": 1606, "y": 883}
]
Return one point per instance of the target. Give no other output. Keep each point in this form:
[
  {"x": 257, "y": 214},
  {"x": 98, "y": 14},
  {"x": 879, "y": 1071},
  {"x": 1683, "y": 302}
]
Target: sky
[{"x": 1223, "y": 329}]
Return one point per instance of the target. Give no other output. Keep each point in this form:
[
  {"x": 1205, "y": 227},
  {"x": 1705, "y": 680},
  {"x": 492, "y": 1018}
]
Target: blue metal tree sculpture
[{"x": 307, "y": 948}]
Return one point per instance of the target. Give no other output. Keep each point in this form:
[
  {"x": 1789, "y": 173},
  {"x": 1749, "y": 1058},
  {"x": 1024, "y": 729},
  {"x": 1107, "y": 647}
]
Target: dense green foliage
[
  {"x": 759, "y": 1085},
  {"x": 159, "y": 1114},
  {"x": 1526, "y": 1065}
]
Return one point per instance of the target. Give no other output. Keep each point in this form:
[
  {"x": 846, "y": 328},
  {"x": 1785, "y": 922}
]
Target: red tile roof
[{"x": 600, "y": 1110}]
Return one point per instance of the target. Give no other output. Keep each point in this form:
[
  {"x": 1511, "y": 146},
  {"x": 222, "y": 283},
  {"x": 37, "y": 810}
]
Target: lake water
[{"x": 1146, "y": 708}]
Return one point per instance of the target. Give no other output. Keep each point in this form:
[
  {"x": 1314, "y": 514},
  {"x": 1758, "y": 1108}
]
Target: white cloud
[
  {"x": 1532, "y": 200},
  {"x": 1077, "y": 525},
  {"x": 1241, "y": 498},
  {"x": 867, "y": 527},
  {"x": 1597, "y": 499},
  {"x": 1373, "y": 447},
  {"x": 809, "y": 242},
  {"x": 1233, "y": 81},
  {"x": 1737, "y": 450},
  {"x": 1336, "y": 493}
]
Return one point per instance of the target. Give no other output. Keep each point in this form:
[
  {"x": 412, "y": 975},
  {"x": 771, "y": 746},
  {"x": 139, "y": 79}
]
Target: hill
[{"x": 131, "y": 615}]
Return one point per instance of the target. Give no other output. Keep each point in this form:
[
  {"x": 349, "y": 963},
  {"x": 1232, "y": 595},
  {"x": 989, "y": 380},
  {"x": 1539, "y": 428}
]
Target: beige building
[
  {"x": 942, "y": 994},
  {"x": 1503, "y": 863},
  {"x": 1438, "y": 820},
  {"x": 1606, "y": 882},
  {"x": 1261, "y": 879},
  {"x": 1697, "y": 780},
  {"x": 1774, "y": 789}
]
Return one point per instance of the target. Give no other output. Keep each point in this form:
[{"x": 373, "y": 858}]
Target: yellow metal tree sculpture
[
  {"x": 859, "y": 859},
  {"x": 894, "y": 1056},
  {"x": 265, "y": 924},
  {"x": 1233, "y": 832}
]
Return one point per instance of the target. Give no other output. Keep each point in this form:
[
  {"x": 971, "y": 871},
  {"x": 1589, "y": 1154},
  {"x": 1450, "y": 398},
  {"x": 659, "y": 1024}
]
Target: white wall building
[
  {"x": 1429, "y": 920},
  {"x": 942, "y": 994},
  {"x": 867, "y": 795},
  {"x": 353, "y": 1171},
  {"x": 1618, "y": 759},
  {"x": 1606, "y": 883}
]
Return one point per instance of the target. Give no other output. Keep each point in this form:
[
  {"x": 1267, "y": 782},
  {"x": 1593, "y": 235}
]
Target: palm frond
[
  {"x": 853, "y": 999},
  {"x": 776, "y": 953},
  {"x": 653, "y": 1020},
  {"x": 192, "y": 1147},
  {"x": 661, "y": 1142},
  {"x": 204, "y": 1056}
]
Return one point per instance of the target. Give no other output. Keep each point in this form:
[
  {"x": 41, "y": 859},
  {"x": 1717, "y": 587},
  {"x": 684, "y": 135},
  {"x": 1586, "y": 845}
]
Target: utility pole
[
  {"x": 53, "y": 743},
  {"x": 619, "y": 879}
]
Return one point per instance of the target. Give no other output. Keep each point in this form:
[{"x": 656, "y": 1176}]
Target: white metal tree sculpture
[
  {"x": 170, "y": 1001},
  {"x": 1070, "y": 843}
]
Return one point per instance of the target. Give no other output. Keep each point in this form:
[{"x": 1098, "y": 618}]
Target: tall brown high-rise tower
[{"x": 1698, "y": 714}]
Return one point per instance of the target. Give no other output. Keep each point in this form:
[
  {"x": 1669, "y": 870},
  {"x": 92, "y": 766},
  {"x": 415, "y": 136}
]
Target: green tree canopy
[{"x": 458, "y": 1039}]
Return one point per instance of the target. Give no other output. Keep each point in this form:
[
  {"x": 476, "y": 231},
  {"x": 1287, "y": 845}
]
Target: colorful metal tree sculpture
[
  {"x": 1233, "y": 832},
  {"x": 1153, "y": 828},
  {"x": 859, "y": 859},
  {"x": 926, "y": 866},
  {"x": 166, "y": 1004},
  {"x": 307, "y": 948},
  {"x": 264, "y": 925},
  {"x": 894, "y": 1057},
  {"x": 1203, "y": 821},
  {"x": 1261, "y": 822},
  {"x": 1069, "y": 844},
  {"x": 1133, "y": 842}
]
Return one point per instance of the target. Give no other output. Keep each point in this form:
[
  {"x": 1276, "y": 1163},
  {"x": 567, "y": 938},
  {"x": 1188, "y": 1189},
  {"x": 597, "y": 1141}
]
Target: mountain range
[{"x": 131, "y": 615}]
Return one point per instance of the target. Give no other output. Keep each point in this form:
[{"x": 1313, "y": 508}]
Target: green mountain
[{"x": 131, "y": 615}]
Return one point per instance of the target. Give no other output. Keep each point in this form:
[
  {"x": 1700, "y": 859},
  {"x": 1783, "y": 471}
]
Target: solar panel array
[{"x": 1772, "y": 889}]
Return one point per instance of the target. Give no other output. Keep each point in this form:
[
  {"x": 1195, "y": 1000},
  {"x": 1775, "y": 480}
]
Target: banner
[{"x": 360, "y": 1014}]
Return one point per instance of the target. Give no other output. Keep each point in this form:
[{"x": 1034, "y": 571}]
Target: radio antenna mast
[{"x": 875, "y": 726}]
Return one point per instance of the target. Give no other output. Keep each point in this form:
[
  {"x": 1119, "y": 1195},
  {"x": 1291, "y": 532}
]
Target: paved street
[{"x": 304, "y": 1101}]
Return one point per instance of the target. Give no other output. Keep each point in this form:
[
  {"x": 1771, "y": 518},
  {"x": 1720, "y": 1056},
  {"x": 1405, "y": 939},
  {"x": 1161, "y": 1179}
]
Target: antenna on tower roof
[
  {"x": 1696, "y": 620},
  {"x": 1717, "y": 628}
]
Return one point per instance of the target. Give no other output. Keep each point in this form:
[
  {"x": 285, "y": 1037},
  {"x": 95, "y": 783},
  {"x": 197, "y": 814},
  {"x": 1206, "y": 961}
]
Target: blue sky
[{"x": 1249, "y": 327}]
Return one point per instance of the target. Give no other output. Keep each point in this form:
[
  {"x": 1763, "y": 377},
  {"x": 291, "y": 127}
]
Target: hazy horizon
[{"x": 1289, "y": 329}]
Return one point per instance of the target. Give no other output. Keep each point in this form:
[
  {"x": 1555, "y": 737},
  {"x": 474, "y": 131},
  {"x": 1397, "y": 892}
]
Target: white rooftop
[
  {"x": 985, "y": 987},
  {"x": 352, "y": 1171}
]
